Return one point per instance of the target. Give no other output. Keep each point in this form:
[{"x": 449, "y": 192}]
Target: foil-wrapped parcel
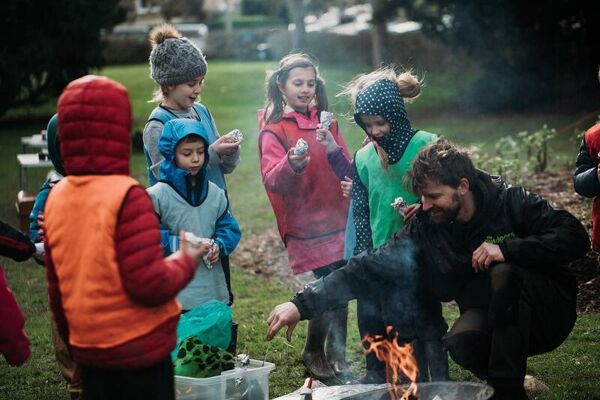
[
  {"x": 326, "y": 118},
  {"x": 236, "y": 135},
  {"x": 301, "y": 147},
  {"x": 197, "y": 241},
  {"x": 399, "y": 205}
]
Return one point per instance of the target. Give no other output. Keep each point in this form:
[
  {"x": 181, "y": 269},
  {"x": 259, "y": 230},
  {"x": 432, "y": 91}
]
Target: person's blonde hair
[
  {"x": 408, "y": 84},
  {"x": 157, "y": 35},
  {"x": 275, "y": 100}
]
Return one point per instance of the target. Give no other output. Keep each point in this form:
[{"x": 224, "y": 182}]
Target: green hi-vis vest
[{"x": 385, "y": 186}]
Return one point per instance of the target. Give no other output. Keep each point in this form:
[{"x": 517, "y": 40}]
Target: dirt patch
[{"x": 263, "y": 254}]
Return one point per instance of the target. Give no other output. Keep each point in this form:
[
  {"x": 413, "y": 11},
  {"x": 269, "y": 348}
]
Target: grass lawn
[{"x": 233, "y": 92}]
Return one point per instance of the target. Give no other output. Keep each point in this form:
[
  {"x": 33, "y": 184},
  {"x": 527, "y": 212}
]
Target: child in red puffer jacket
[{"x": 111, "y": 292}]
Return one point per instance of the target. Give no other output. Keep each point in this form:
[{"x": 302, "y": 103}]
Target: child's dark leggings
[{"x": 150, "y": 383}]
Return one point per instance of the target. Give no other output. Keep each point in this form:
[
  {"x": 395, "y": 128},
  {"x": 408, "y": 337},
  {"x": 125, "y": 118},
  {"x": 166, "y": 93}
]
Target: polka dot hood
[{"x": 384, "y": 98}]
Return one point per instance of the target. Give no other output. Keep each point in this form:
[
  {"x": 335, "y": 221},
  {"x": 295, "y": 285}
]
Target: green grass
[{"x": 233, "y": 92}]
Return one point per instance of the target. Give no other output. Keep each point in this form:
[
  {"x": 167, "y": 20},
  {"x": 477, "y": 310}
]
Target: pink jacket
[{"x": 309, "y": 207}]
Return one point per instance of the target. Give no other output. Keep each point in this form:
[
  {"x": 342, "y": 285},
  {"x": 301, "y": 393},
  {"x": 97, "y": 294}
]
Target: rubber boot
[
  {"x": 313, "y": 355},
  {"x": 335, "y": 347},
  {"x": 421, "y": 359},
  {"x": 437, "y": 359}
]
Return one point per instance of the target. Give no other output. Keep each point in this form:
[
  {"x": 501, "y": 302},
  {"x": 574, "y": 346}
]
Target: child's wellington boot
[{"x": 313, "y": 355}]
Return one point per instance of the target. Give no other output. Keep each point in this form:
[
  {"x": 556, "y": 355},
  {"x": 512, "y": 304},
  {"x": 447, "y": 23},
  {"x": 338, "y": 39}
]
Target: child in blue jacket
[
  {"x": 185, "y": 199},
  {"x": 68, "y": 368},
  {"x": 54, "y": 178}
]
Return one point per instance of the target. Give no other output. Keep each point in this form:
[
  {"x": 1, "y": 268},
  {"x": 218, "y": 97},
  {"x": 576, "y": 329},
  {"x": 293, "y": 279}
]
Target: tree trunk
[
  {"x": 296, "y": 10},
  {"x": 379, "y": 35},
  {"x": 228, "y": 17}
]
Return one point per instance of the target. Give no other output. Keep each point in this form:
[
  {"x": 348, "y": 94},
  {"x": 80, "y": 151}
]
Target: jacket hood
[
  {"x": 94, "y": 116},
  {"x": 53, "y": 149},
  {"x": 384, "y": 98},
  {"x": 174, "y": 131},
  {"x": 304, "y": 121},
  {"x": 487, "y": 190}
]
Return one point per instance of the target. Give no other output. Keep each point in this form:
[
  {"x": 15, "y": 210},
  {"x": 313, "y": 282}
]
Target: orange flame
[{"x": 399, "y": 362}]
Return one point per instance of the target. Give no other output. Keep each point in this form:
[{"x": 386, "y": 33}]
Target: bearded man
[{"x": 500, "y": 252}]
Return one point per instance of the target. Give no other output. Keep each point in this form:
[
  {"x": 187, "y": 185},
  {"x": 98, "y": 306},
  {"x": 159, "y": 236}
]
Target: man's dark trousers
[{"x": 508, "y": 314}]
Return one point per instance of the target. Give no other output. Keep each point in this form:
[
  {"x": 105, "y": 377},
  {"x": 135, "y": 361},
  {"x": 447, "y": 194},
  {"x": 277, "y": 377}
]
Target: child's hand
[
  {"x": 325, "y": 138},
  {"x": 223, "y": 146},
  {"x": 214, "y": 253},
  {"x": 346, "y": 187},
  {"x": 411, "y": 211},
  {"x": 41, "y": 227},
  {"x": 298, "y": 161},
  {"x": 194, "y": 251}
]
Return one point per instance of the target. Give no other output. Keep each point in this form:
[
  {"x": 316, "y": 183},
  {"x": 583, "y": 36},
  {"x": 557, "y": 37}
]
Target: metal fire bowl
[{"x": 429, "y": 391}]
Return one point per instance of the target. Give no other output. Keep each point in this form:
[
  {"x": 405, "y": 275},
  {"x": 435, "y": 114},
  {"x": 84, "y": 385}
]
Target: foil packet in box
[
  {"x": 326, "y": 118},
  {"x": 196, "y": 241},
  {"x": 301, "y": 147},
  {"x": 399, "y": 205},
  {"x": 236, "y": 135}
]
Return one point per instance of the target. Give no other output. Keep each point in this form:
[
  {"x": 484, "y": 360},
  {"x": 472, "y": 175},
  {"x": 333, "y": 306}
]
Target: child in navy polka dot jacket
[{"x": 378, "y": 179}]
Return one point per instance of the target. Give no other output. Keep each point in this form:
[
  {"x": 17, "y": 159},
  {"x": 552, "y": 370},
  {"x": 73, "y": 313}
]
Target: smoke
[{"x": 393, "y": 291}]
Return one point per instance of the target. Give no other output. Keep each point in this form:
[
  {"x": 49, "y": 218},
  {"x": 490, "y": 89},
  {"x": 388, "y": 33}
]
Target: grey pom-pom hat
[{"x": 175, "y": 61}]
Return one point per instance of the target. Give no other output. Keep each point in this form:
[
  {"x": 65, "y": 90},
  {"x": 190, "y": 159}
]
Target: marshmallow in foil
[
  {"x": 301, "y": 147},
  {"x": 243, "y": 359},
  {"x": 236, "y": 135},
  {"x": 399, "y": 205},
  {"x": 326, "y": 118},
  {"x": 197, "y": 241}
]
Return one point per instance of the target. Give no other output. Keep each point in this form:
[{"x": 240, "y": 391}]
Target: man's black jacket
[{"x": 426, "y": 263}]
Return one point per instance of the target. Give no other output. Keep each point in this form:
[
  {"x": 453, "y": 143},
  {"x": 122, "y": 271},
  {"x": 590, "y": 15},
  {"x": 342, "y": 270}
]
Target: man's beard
[{"x": 441, "y": 215}]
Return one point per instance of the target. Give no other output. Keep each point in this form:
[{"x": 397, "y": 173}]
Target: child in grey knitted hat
[{"x": 178, "y": 66}]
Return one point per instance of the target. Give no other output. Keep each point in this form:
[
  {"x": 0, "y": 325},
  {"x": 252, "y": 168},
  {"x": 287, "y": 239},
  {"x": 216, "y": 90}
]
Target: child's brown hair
[{"x": 275, "y": 79}]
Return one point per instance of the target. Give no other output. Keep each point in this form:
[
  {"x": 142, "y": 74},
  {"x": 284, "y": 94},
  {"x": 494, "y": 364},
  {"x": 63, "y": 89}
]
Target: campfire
[
  {"x": 400, "y": 363},
  {"x": 401, "y": 376}
]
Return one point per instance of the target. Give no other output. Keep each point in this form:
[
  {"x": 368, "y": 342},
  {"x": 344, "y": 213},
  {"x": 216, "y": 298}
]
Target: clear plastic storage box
[{"x": 242, "y": 383}]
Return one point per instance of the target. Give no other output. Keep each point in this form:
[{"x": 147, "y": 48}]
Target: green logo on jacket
[{"x": 499, "y": 239}]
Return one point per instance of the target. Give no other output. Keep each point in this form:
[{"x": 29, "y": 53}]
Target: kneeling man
[{"x": 500, "y": 252}]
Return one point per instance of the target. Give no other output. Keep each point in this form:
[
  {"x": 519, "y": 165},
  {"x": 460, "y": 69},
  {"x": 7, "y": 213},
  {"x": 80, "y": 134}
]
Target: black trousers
[
  {"x": 151, "y": 383},
  {"x": 390, "y": 305},
  {"x": 509, "y": 314},
  {"x": 370, "y": 322}
]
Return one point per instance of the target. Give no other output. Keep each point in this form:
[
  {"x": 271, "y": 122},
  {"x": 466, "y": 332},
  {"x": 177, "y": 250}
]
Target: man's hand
[
  {"x": 223, "y": 146},
  {"x": 411, "y": 211},
  {"x": 486, "y": 255},
  {"x": 298, "y": 162},
  {"x": 285, "y": 314}
]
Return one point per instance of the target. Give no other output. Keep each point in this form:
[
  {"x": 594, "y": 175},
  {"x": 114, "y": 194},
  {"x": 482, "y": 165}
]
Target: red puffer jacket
[
  {"x": 94, "y": 136},
  {"x": 14, "y": 344}
]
